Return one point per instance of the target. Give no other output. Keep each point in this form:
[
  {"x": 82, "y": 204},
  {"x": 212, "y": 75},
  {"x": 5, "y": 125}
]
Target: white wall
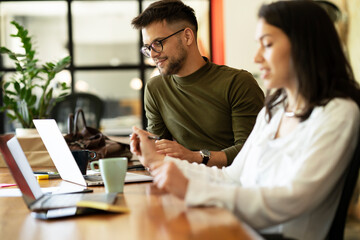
[{"x": 240, "y": 17}]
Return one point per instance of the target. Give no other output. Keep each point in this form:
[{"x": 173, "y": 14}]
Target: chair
[
  {"x": 332, "y": 10},
  {"x": 92, "y": 106},
  {"x": 338, "y": 224}
]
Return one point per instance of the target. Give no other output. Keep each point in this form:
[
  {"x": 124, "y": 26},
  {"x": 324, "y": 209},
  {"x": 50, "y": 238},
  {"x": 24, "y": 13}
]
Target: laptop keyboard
[{"x": 93, "y": 178}]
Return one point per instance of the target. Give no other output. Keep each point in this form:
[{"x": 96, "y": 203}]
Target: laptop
[
  {"x": 46, "y": 206},
  {"x": 64, "y": 160}
]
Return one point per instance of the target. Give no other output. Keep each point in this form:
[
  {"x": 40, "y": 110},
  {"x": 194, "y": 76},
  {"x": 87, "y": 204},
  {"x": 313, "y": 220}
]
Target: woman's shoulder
[
  {"x": 340, "y": 105},
  {"x": 338, "y": 109}
]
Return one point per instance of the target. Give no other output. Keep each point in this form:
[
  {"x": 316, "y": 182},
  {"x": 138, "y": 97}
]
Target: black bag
[{"x": 92, "y": 139}]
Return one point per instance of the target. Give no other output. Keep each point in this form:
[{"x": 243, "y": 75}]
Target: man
[{"x": 207, "y": 109}]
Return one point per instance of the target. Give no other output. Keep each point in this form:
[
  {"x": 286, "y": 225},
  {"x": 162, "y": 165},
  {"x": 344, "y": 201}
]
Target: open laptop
[
  {"x": 64, "y": 160},
  {"x": 45, "y": 206}
]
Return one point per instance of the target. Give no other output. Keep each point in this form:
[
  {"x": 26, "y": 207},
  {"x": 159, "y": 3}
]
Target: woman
[{"x": 289, "y": 175}]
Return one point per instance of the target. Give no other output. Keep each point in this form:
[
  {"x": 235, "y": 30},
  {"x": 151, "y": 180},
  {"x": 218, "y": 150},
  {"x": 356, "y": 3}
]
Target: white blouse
[{"x": 289, "y": 185}]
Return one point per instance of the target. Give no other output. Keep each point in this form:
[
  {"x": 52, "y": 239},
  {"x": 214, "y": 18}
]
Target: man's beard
[{"x": 174, "y": 64}]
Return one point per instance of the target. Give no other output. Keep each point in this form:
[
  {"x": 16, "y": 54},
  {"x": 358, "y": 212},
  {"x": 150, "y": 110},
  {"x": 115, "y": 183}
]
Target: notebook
[
  {"x": 47, "y": 206},
  {"x": 64, "y": 160}
]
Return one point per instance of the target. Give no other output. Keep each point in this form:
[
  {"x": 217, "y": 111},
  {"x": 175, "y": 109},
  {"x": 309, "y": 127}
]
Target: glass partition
[
  {"x": 123, "y": 105},
  {"x": 104, "y": 48},
  {"x": 46, "y": 22},
  {"x": 103, "y": 34}
]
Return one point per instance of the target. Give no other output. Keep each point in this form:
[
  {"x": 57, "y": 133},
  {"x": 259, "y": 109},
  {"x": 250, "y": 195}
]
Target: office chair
[
  {"x": 332, "y": 10},
  {"x": 92, "y": 106},
  {"x": 337, "y": 227}
]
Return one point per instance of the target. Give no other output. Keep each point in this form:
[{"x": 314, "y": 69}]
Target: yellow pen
[{"x": 46, "y": 176}]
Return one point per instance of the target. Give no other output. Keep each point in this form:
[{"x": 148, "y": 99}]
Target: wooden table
[{"x": 153, "y": 215}]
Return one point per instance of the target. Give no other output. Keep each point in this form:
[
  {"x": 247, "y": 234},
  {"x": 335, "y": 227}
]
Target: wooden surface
[{"x": 153, "y": 215}]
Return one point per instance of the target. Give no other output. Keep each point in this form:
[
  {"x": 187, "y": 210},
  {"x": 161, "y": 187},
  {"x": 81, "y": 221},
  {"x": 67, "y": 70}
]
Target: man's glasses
[{"x": 156, "y": 45}]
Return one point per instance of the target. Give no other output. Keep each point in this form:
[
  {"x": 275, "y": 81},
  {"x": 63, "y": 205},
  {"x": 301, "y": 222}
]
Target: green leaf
[
  {"x": 62, "y": 64},
  {"x": 18, "y": 67},
  {"x": 6, "y": 100},
  {"x": 10, "y": 93},
  {"x": 32, "y": 100},
  {"x": 6, "y": 85},
  {"x": 13, "y": 57},
  {"x": 17, "y": 87},
  {"x": 49, "y": 94},
  {"x": 22, "y": 93},
  {"x": 12, "y": 117},
  {"x": 19, "y": 55},
  {"x": 4, "y": 50},
  {"x": 50, "y": 65},
  {"x": 51, "y": 75},
  {"x": 28, "y": 95}
]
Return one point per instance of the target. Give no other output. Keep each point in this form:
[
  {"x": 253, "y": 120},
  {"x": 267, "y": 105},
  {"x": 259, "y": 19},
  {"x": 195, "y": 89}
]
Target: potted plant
[{"x": 28, "y": 94}]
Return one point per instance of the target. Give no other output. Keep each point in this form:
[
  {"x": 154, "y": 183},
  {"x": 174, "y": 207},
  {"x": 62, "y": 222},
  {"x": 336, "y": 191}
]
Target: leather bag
[{"x": 92, "y": 139}]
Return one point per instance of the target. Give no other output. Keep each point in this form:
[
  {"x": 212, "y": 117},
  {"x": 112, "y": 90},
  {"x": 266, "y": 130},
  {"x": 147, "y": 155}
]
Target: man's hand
[
  {"x": 144, "y": 148},
  {"x": 135, "y": 144},
  {"x": 174, "y": 149},
  {"x": 168, "y": 177}
]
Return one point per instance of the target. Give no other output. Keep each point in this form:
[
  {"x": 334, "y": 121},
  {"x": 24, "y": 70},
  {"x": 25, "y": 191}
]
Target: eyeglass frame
[{"x": 146, "y": 50}]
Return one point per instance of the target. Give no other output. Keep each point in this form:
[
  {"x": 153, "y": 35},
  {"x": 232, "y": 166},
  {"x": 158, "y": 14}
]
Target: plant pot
[{"x": 26, "y": 132}]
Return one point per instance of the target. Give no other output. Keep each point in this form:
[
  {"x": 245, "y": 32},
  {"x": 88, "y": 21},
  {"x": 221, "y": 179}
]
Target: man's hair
[
  {"x": 172, "y": 11},
  {"x": 321, "y": 67}
]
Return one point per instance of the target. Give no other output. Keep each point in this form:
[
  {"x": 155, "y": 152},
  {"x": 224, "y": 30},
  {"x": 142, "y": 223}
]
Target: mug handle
[
  {"x": 92, "y": 166},
  {"x": 92, "y": 153}
]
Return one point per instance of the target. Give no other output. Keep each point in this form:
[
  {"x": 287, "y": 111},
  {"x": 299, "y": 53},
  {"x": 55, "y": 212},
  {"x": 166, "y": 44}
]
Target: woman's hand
[
  {"x": 144, "y": 148},
  {"x": 168, "y": 177}
]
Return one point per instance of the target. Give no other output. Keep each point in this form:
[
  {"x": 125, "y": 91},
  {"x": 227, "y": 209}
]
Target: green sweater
[{"x": 214, "y": 108}]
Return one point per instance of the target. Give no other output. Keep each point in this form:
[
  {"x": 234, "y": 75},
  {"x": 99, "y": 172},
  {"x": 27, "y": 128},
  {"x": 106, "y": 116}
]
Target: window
[{"x": 104, "y": 48}]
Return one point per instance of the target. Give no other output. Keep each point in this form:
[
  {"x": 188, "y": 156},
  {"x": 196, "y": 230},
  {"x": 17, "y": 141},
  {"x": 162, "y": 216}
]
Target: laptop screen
[
  {"x": 59, "y": 151},
  {"x": 20, "y": 169}
]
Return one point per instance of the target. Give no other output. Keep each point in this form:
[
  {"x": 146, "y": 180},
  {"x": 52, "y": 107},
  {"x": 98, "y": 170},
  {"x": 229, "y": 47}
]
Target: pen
[
  {"x": 152, "y": 137},
  {"x": 44, "y": 177},
  {"x": 2, "y": 185},
  {"x": 48, "y": 173}
]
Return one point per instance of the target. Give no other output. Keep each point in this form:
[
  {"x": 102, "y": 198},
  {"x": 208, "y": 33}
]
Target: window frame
[{"x": 142, "y": 67}]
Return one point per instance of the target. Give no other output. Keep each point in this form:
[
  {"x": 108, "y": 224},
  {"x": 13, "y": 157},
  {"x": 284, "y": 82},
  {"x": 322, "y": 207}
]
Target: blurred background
[{"x": 106, "y": 61}]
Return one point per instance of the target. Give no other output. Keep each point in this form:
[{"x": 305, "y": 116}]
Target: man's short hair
[{"x": 172, "y": 11}]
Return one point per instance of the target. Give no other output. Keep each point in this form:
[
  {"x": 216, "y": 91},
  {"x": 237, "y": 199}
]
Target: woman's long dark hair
[{"x": 321, "y": 67}]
